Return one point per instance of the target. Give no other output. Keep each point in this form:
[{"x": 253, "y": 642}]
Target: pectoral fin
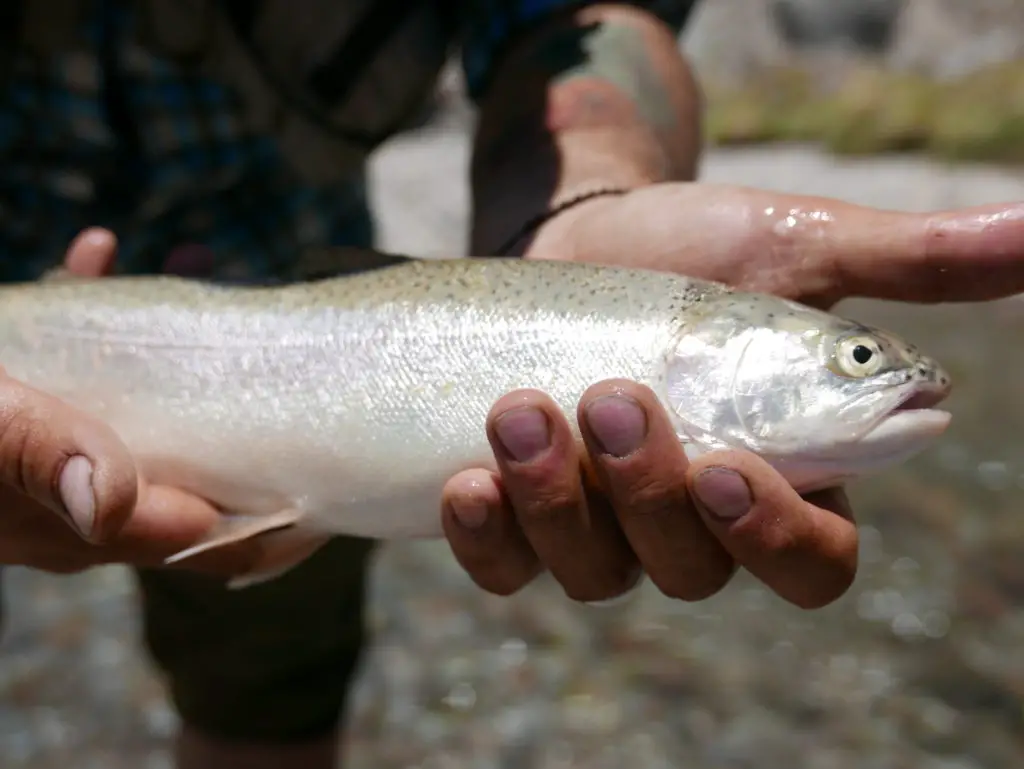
[
  {"x": 279, "y": 539},
  {"x": 281, "y": 551},
  {"x": 237, "y": 528}
]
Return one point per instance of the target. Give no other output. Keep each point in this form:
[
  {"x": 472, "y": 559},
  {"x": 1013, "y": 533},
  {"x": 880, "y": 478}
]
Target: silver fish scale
[{"x": 353, "y": 398}]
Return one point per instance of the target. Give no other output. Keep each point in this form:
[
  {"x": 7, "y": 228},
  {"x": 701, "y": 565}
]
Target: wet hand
[{"x": 635, "y": 506}]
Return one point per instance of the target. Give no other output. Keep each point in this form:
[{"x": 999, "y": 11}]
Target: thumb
[
  {"x": 92, "y": 253},
  {"x": 803, "y": 549},
  {"x": 65, "y": 460}
]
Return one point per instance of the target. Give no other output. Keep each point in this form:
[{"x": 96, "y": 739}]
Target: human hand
[
  {"x": 636, "y": 506},
  {"x": 811, "y": 249},
  {"x": 641, "y": 513},
  {"x": 70, "y": 497}
]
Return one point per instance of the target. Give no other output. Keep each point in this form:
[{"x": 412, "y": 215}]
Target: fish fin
[
  {"x": 237, "y": 528},
  {"x": 284, "y": 550}
]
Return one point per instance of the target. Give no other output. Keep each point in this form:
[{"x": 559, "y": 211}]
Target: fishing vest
[{"x": 330, "y": 83}]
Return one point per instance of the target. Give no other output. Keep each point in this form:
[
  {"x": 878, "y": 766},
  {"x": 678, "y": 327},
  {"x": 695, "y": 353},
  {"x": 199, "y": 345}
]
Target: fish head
[{"x": 820, "y": 397}]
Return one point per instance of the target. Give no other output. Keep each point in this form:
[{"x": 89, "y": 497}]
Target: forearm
[{"x": 601, "y": 98}]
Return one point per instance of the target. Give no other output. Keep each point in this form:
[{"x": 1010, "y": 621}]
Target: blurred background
[{"x": 908, "y": 104}]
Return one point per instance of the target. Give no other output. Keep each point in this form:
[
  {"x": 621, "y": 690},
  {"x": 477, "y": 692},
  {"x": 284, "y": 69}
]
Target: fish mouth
[
  {"x": 904, "y": 430},
  {"x": 898, "y": 437},
  {"x": 908, "y": 428},
  {"x": 912, "y": 423},
  {"x": 922, "y": 399}
]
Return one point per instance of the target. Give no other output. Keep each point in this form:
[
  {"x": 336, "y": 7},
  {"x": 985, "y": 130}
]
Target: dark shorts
[{"x": 272, "y": 662}]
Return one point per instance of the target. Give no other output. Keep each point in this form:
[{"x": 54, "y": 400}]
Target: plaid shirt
[{"x": 114, "y": 134}]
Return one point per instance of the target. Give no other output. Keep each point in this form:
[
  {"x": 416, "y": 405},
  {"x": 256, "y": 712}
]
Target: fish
[{"x": 342, "y": 405}]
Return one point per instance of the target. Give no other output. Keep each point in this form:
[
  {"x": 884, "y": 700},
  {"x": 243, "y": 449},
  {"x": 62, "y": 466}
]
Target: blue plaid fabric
[{"x": 172, "y": 162}]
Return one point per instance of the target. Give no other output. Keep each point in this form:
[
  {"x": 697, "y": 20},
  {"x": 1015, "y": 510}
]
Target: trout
[{"x": 343, "y": 405}]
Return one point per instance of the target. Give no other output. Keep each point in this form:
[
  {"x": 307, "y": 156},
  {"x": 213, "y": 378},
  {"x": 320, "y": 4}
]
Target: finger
[
  {"x": 577, "y": 539},
  {"x": 966, "y": 255},
  {"x": 92, "y": 253},
  {"x": 642, "y": 466},
  {"x": 65, "y": 460},
  {"x": 803, "y": 549},
  {"x": 484, "y": 535},
  {"x": 822, "y": 250}
]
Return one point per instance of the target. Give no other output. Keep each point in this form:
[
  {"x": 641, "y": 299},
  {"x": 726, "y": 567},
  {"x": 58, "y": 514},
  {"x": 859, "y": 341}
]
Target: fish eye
[{"x": 858, "y": 356}]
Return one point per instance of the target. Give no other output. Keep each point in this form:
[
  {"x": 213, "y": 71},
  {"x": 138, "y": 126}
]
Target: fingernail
[
  {"x": 723, "y": 492},
  {"x": 76, "y": 493},
  {"x": 471, "y": 513},
  {"x": 97, "y": 237},
  {"x": 618, "y": 423},
  {"x": 523, "y": 432}
]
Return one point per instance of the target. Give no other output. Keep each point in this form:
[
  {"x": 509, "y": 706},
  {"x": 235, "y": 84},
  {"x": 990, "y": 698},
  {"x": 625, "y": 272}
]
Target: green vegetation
[{"x": 979, "y": 117}]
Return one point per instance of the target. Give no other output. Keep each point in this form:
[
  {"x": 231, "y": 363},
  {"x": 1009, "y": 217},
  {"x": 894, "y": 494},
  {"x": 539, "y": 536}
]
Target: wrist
[
  {"x": 547, "y": 235},
  {"x": 600, "y": 97},
  {"x": 530, "y": 188}
]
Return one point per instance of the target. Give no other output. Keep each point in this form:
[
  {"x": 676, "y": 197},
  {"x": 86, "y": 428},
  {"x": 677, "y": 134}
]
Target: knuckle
[
  {"x": 21, "y": 461},
  {"x": 551, "y": 506},
  {"x": 645, "y": 493},
  {"x": 768, "y": 533}
]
